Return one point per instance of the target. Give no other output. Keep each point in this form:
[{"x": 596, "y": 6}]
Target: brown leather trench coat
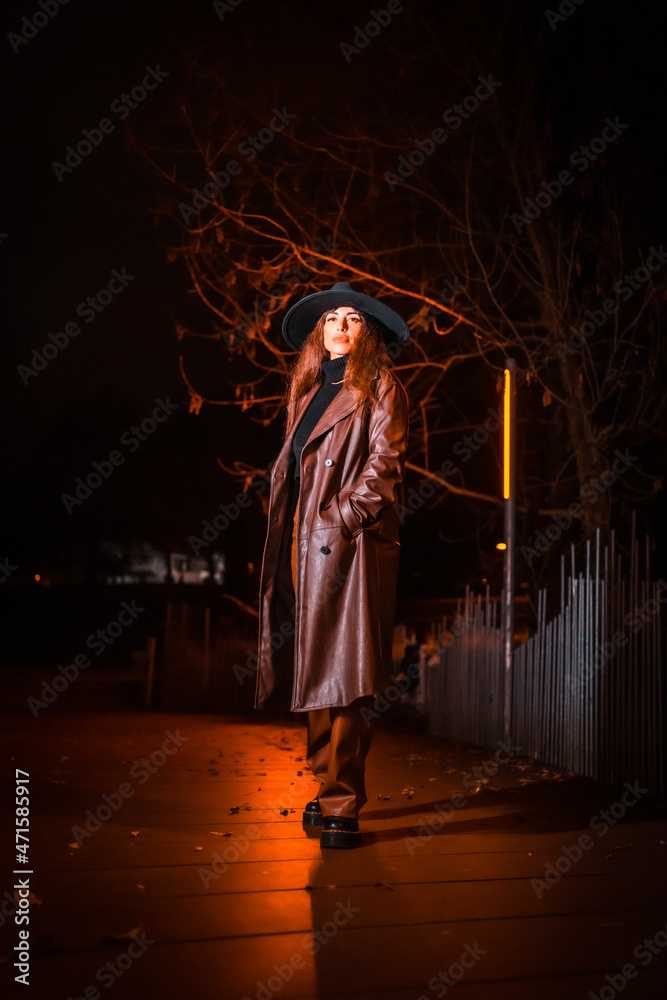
[{"x": 330, "y": 643}]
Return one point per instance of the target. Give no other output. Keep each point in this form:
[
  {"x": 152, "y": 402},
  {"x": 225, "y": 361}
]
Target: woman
[{"x": 328, "y": 582}]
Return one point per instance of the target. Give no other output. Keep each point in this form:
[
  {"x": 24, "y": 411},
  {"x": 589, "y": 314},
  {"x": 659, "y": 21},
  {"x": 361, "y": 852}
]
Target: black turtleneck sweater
[{"x": 334, "y": 370}]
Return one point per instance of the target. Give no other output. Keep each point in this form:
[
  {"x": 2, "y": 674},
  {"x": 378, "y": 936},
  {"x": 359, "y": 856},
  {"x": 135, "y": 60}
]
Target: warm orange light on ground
[
  {"x": 506, "y": 433},
  {"x": 500, "y": 545},
  {"x": 37, "y": 577}
]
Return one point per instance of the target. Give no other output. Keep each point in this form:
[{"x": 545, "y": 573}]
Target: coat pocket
[
  {"x": 331, "y": 515},
  {"x": 347, "y": 514}
]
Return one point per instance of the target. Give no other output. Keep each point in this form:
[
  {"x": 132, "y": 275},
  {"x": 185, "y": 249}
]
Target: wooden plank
[
  {"x": 219, "y": 937},
  {"x": 349, "y": 868},
  {"x": 370, "y": 960},
  {"x": 220, "y": 915}
]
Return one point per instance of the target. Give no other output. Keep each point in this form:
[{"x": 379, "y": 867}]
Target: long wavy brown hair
[{"x": 367, "y": 355}]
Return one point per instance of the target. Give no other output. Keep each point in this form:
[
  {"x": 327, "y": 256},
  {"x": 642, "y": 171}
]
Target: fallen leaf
[
  {"x": 216, "y": 833},
  {"x": 198, "y": 848},
  {"x": 123, "y": 936},
  {"x": 140, "y": 885},
  {"x": 135, "y": 833},
  {"x": 74, "y": 845},
  {"x": 383, "y": 798},
  {"x": 284, "y": 812}
]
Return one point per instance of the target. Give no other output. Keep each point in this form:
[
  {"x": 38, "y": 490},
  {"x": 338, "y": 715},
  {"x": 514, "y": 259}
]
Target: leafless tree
[{"x": 427, "y": 167}]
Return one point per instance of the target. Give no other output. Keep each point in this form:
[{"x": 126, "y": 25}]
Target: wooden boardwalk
[{"x": 204, "y": 861}]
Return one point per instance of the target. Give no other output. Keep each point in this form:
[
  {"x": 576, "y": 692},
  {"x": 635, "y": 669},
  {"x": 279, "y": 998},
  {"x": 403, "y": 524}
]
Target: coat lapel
[{"x": 343, "y": 403}]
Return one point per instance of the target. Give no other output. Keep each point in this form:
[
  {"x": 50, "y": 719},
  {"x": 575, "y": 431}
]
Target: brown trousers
[{"x": 338, "y": 742}]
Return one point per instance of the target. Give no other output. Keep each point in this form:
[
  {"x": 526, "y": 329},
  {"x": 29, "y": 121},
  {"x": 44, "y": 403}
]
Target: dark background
[{"x": 61, "y": 241}]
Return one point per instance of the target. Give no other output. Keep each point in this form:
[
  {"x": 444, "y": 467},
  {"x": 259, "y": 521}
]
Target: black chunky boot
[
  {"x": 312, "y": 815},
  {"x": 339, "y": 831}
]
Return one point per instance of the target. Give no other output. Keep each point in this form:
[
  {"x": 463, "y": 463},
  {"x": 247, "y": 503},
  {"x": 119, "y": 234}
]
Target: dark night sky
[{"x": 64, "y": 239}]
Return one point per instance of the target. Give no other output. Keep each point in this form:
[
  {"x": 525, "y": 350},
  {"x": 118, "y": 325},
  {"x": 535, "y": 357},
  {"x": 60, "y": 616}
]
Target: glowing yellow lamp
[{"x": 506, "y": 432}]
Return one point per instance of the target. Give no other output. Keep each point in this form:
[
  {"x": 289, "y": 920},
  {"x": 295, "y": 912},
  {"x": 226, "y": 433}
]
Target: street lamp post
[{"x": 509, "y": 497}]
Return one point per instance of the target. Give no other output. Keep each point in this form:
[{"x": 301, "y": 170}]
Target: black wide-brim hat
[{"x": 303, "y": 316}]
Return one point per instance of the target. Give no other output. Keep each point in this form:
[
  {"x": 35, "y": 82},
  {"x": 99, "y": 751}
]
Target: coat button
[
  {"x": 328, "y": 461},
  {"x": 323, "y": 506},
  {"x": 325, "y": 549}
]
